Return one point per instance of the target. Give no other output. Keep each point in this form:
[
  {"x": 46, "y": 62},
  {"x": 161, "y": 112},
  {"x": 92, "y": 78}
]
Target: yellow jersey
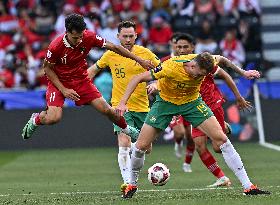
[
  {"x": 123, "y": 69},
  {"x": 174, "y": 83}
]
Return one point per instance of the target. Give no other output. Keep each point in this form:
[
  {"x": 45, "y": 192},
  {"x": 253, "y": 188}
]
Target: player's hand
[
  {"x": 152, "y": 88},
  {"x": 121, "y": 109},
  {"x": 251, "y": 74},
  {"x": 243, "y": 104},
  {"x": 71, "y": 94},
  {"x": 147, "y": 64}
]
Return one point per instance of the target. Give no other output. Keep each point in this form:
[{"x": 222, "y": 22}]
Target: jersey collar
[{"x": 66, "y": 43}]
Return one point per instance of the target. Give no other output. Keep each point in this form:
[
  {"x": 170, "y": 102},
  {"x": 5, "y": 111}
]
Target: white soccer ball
[{"x": 158, "y": 174}]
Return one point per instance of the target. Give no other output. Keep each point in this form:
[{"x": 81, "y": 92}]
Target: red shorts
[
  {"x": 219, "y": 114},
  {"x": 86, "y": 90},
  {"x": 177, "y": 120}
]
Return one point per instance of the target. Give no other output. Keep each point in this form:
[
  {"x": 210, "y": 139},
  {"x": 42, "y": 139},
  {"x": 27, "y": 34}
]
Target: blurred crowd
[{"x": 227, "y": 27}]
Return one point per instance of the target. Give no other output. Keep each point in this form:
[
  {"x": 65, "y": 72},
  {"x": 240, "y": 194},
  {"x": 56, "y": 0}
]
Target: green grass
[{"x": 91, "y": 176}]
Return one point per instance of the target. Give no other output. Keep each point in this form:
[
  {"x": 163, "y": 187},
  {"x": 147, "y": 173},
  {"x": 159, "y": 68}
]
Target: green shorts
[
  {"x": 134, "y": 119},
  {"x": 162, "y": 112}
]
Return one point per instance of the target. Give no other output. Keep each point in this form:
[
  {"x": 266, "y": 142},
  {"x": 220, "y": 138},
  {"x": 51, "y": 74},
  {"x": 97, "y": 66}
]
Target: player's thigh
[
  {"x": 179, "y": 130},
  {"x": 53, "y": 96},
  {"x": 220, "y": 116},
  {"x": 124, "y": 140},
  {"x": 147, "y": 135},
  {"x": 102, "y": 106},
  {"x": 212, "y": 129}
]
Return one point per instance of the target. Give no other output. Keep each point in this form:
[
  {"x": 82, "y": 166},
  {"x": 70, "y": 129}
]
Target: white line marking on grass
[{"x": 115, "y": 192}]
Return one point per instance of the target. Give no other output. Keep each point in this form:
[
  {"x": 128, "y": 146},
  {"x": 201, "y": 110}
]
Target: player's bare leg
[
  {"x": 51, "y": 116},
  {"x": 212, "y": 129},
  {"x": 103, "y": 107},
  {"x": 147, "y": 135}
]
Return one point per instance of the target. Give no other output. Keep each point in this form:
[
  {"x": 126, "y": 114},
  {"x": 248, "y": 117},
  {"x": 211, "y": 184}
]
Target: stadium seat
[{"x": 273, "y": 74}]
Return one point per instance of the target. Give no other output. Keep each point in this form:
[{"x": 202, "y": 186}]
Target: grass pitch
[{"x": 91, "y": 176}]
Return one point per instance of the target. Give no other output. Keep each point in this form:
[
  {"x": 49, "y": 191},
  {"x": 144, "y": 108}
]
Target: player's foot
[
  {"x": 228, "y": 129},
  {"x": 131, "y": 131},
  {"x": 123, "y": 187},
  {"x": 223, "y": 181},
  {"x": 187, "y": 168},
  {"x": 29, "y": 128},
  {"x": 129, "y": 191},
  {"x": 178, "y": 149},
  {"x": 254, "y": 190}
]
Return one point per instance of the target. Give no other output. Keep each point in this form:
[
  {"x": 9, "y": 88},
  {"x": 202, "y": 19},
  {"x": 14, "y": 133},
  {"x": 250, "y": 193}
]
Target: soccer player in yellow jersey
[
  {"x": 179, "y": 80},
  {"x": 123, "y": 69}
]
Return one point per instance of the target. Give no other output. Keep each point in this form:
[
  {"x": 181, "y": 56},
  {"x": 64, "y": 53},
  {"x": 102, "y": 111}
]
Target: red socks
[
  {"x": 189, "y": 153},
  {"x": 37, "y": 120},
  {"x": 210, "y": 162},
  {"x": 121, "y": 123}
]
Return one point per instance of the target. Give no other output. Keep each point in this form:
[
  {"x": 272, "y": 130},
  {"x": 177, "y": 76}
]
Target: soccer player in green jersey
[
  {"x": 179, "y": 80},
  {"x": 123, "y": 70}
]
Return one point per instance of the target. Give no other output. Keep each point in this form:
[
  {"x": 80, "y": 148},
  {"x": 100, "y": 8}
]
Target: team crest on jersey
[{"x": 49, "y": 54}]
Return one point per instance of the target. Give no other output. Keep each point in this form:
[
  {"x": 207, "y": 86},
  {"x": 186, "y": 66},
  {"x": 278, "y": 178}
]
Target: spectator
[
  {"x": 209, "y": 9},
  {"x": 110, "y": 31},
  {"x": 241, "y": 8},
  {"x": 6, "y": 78},
  {"x": 159, "y": 35},
  {"x": 205, "y": 39},
  {"x": 232, "y": 48}
]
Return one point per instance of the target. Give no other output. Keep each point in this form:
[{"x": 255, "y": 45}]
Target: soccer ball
[{"x": 158, "y": 174}]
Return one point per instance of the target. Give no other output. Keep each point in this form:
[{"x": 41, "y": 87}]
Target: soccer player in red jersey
[
  {"x": 214, "y": 99},
  {"x": 66, "y": 68}
]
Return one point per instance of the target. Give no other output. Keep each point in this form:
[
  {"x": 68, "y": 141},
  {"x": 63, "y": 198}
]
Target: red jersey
[
  {"x": 70, "y": 63},
  {"x": 210, "y": 93}
]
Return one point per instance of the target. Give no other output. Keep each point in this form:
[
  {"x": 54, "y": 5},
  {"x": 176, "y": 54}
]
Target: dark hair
[
  {"x": 126, "y": 24},
  {"x": 174, "y": 37},
  {"x": 75, "y": 22},
  {"x": 187, "y": 37},
  {"x": 205, "y": 61}
]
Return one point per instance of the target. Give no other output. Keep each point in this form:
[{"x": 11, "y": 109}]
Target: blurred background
[{"x": 245, "y": 31}]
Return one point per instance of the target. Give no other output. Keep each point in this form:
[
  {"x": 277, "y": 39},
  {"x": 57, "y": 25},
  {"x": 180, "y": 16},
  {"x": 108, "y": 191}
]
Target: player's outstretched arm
[
  {"x": 126, "y": 53},
  {"x": 143, "y": 77},
  {"x": 240, "y": 101},
  {"x": 68, "y": 93},
  {"x": 92, "y": 71},
  {"x": 223, "y": 62}
]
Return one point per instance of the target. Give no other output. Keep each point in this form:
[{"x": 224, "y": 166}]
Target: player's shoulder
[
  {"x": 57, "y": 42},
  {"x": 88, "y": 33},
  {"x": 165, "y": 58},
  {"x": 183, "y": 58},
  {"x": 141, "y": 50}
]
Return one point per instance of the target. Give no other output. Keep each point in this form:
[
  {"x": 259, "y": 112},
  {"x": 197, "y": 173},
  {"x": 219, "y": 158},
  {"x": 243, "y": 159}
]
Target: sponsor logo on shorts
[{"x": 153, "y": 119}]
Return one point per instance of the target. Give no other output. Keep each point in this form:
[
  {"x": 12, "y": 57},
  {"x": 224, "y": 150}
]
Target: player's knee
[
  {"x": 149, "y": 150},
  {"x": 124, "y": 140},
  {"x": 200, "y": 148},
  {"x": 217, "y": 149}
]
